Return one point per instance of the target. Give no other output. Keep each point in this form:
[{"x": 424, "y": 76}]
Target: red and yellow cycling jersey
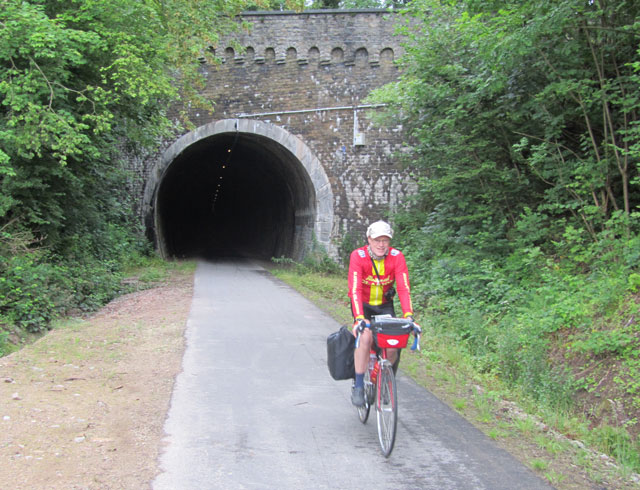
[{"x": 364, "y": 286}]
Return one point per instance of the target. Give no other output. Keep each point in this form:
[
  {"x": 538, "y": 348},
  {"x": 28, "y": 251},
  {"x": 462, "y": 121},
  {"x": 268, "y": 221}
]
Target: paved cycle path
[{"x": 255, "y": 407}]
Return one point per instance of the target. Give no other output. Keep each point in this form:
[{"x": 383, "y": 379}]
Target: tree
[
  {"x": 325, "y": 4},
  {"x": 81, "y": 81},
  {"x": 523, "y": 107},
  {"x": 280, "y": 5},
  {"x": 80, "y": 78},
  {"x": 358, "y": 4}
]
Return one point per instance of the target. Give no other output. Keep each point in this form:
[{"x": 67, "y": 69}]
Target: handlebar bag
[
  {"x": 391, "y": 335},
  {"x": 340, "y": 347}
]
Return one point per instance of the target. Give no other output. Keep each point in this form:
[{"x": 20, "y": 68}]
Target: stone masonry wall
[{"x": 310, "y": 73}]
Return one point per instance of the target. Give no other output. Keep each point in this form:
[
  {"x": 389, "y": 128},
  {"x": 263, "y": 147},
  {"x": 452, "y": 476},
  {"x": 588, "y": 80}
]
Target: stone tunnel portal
[{"x": 235, "y": 194}]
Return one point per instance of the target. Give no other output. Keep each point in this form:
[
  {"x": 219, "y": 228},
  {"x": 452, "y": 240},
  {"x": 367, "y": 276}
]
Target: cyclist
[{"x": 374, "y": 270}]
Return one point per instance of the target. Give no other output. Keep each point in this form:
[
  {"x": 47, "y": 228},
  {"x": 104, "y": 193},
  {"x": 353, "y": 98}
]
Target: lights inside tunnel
[
  {"x": 253, "y": 201},
  {"x": 219, "y": 187}
]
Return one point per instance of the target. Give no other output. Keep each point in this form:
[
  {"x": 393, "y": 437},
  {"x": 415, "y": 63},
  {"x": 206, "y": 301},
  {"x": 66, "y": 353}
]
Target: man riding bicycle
[{"x": 373, "y": 271}]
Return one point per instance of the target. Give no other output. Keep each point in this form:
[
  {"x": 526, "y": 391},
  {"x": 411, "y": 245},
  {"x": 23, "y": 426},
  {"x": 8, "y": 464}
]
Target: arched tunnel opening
[{"x": 235, "y": 194}]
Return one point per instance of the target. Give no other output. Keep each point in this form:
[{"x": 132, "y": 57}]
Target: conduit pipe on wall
[
  {"x": 319, "y": 109},
  {"x": 358, "y": 137}
]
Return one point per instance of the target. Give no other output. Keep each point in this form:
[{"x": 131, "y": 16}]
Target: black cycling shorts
[{"x": 383, "y": 309}]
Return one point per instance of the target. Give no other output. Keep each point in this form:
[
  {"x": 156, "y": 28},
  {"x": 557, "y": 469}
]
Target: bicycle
[{"x": 379, "y": 378}]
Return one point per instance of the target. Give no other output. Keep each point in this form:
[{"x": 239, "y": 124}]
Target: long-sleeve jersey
[{"x": 364, "y": 286}]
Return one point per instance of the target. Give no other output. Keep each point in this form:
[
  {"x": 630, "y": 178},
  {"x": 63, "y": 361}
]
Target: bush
[
  {"x": 37, "y": 285},
  {"x": 506, "y": 309},
  {"x": 4, "y": 348},
  {"x": 315, "y": 260},
  {"x": 28, "y": 289}
]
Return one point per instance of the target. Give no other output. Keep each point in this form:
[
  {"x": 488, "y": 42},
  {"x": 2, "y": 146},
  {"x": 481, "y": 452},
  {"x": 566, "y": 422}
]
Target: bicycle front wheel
[{"x": 387, "y": 408}]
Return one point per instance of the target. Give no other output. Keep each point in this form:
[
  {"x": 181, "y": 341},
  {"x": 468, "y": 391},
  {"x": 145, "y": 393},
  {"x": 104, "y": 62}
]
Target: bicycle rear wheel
[
  {"x": 387, "y": 408},
  {"x": 363, "y": 411}
]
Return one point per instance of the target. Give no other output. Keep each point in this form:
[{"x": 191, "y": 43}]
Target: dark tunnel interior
[{"x": 234, "y": 195}]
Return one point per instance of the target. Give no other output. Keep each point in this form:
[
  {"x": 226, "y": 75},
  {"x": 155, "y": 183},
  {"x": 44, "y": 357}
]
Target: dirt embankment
[{"x": 84, "y": 407}]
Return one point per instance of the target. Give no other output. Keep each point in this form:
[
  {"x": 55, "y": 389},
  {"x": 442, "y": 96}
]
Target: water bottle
[{"x": 373, "y": 367}]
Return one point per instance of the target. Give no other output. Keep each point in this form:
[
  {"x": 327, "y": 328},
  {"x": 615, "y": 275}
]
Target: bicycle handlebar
[{"x": 417, "y": 331}]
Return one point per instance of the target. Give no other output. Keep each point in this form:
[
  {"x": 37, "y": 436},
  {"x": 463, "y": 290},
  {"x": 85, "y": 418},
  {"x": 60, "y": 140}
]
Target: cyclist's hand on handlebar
[
  {"x": 417, "y": 329},
  {"x": 359, "y": 326}
]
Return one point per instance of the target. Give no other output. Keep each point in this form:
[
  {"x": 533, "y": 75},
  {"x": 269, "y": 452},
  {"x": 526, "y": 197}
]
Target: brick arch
[{"x": 313, "y": 195}]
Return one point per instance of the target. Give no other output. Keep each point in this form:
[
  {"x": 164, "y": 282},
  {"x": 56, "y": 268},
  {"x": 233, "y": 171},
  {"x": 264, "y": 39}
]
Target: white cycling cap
[{"x": 379, "y": 228}]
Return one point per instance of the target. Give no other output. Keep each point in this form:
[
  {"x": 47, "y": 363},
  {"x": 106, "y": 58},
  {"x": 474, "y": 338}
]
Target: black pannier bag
[{"x": 340, "y": 346}]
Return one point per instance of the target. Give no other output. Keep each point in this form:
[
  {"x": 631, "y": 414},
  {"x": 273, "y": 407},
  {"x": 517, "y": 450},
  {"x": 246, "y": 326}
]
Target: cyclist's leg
[
  {"x": 396, "y": 363},
  {"x": 385, "y": 309},
  {"x": 393, "y": 356},
  {"x": 361, "y": 363},
  {"x": 361, "y": 353}
]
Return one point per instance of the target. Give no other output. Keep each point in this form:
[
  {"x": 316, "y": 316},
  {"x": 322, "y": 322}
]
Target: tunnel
[{"x": 234, "y": 193}]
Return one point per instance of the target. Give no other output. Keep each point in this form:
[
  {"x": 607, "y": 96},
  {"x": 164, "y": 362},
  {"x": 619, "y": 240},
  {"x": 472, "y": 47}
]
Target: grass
[
  {"x": 149, "y": 270},
  {"x": 327, "y": 291},
  {"x": 506, "y": 415},
  {"x": 539, "y": 464},
  {"x": 459, "y": 404}
]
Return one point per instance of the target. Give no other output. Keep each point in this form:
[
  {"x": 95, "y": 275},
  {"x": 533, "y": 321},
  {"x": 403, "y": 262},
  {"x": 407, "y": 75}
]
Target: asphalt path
[{"x": 256, "y": 408}]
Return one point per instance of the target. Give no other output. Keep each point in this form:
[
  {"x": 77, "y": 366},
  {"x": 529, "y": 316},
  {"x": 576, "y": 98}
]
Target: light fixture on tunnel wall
[
  {"x": 217, "y": 193},
  {"x": 358, "y": 137},
  {"x": 224, "y": 166}
]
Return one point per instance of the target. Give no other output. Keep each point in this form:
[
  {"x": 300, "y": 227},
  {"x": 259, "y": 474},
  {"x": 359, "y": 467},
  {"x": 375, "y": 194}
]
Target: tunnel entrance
[{"x": 234, "y": 189}]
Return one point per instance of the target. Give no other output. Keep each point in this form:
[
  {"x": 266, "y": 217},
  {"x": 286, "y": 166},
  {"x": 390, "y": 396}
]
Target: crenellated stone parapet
[
  {"x": 309, "y": 55},
  {"x": 322, "y": 37}
]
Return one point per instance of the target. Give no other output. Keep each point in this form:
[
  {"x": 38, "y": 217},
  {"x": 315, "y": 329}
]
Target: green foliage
[
  {"x": 83, "y": 82},
  {"x": 26, "y": 292},
  {"x": 320, "y": 262},
  {"x": 605, "y": 342},
  {"x": 325, "y": 4},
  {"x": 80, "y": 80},
  {"x": 357, "y": 4},
  {"x": 4, "y": 344},
  {"x": 505, "y": 117},
  {"x": 37, "y": 286},
  {"x": 349, "y": 242},
  {"x": 315, "y": 261},
  {"x": 523, "y": 240},
  {"x": 506, "y": 310},
  {"x": 634, "y": 282},
  {"x": 296, "y": 5},
  {"x": 617, "y": 442}
]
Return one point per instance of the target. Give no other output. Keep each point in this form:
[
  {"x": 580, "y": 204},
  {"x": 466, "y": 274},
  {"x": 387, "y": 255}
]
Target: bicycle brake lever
[
  {"x": 361, "y": 328},
  {"x": 416, "y": 341}
]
